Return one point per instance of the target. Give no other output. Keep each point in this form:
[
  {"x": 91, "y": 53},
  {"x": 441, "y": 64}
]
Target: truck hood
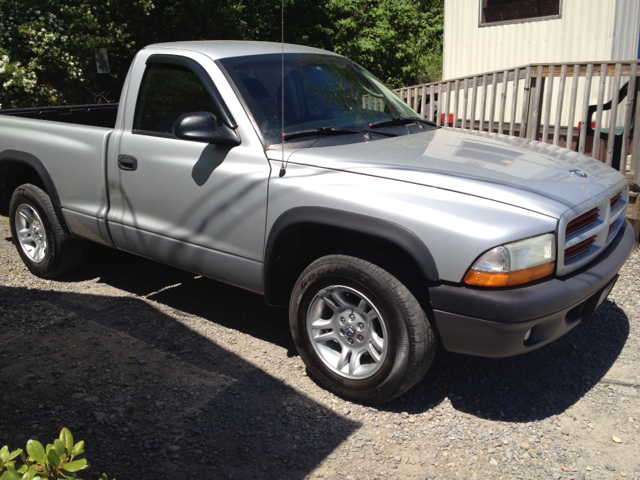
[{"x": 520, "y": 172}]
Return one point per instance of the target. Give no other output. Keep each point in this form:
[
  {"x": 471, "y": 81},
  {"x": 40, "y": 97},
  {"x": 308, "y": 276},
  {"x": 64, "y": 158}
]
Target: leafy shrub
[{"x": 56, "y": 461}]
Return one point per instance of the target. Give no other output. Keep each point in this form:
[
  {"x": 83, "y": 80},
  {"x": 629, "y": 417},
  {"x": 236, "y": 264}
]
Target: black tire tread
[
  {"x": 67, "y": 251},
  {"x": 422, "y": 335}
]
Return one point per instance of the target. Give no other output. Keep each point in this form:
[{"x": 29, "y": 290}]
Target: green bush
[
  {"x": 47, "y": 47},
  {"x": 57, "y": 461}
]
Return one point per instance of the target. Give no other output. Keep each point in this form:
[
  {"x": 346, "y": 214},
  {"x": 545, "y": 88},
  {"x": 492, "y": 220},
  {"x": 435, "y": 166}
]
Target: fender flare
[
  {"x": 17, "y": 156},
  {"x": 391, "y": 232}
]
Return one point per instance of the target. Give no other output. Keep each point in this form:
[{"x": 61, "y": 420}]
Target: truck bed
[
  {"x": 99, "y": 115},
  {"x": 71, "y": 139}
]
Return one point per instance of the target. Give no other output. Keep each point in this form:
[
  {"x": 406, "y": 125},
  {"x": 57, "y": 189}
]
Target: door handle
[{"x": 127, "y": 162}]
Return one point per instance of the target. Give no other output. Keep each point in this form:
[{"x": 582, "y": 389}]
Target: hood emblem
[{"x": 578, "y": 173}]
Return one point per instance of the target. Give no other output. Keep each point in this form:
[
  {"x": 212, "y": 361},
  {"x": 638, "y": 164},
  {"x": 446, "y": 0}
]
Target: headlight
[{"x": 515, "y": 263}]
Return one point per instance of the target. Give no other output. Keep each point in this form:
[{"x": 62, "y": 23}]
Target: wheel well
[
  {"x": 12, "y": 175},
  {"x": 298, "y": 246}
]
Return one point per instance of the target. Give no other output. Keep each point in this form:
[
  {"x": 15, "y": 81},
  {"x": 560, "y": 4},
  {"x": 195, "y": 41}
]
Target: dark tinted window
[
  {"x": 496, "y": 11},
  {"x": 167, "y": 92}
]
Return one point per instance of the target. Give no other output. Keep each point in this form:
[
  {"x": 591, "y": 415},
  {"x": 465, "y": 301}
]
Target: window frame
[
  {"x": 203, "y": 76},
  {"x": 522, "y": 20}
]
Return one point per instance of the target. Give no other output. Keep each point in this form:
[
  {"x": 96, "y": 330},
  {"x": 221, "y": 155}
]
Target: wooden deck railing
[{"x": 525, "y": 101}]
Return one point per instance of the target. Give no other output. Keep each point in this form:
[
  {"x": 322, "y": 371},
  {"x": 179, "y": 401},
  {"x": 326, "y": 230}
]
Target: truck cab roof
[{"x": 217, "y": 49}]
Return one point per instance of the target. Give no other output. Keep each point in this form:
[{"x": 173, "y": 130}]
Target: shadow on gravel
[
  {"x": 151, "y": 398},
  {"x": 214, "y": 301},
  {"x": 528, "y": 387},
  {"x": 525, "y": 388}
]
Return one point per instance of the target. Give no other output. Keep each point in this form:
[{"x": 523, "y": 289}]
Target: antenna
[{"x": 283, "y": 170}]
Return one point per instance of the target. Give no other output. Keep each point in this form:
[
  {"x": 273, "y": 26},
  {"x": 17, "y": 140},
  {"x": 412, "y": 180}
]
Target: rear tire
[
  {"x": 44, "y": 246},
  {"x": 360, "y": 332}
]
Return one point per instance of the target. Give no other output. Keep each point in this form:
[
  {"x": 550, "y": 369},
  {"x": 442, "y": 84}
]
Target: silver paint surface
[
  {"x": 519, "y": 172},
  {"x": 208, "y": 209}
]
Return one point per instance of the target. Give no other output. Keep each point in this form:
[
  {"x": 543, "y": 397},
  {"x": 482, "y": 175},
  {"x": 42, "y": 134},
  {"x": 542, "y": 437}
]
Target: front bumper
[{"x": 493, "y": 322}]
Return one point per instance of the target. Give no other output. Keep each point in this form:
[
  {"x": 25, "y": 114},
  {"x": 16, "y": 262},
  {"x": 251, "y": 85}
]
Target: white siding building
[{"x": 489, "y": 35}]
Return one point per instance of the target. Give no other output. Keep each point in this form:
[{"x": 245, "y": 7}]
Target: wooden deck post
[
  {"x": 465, "y": 100},
  {"x": 432, "y": 102},
  {"x": 483, "y": 101},
  {"x": 572, "y": 105},
  {"x": 548, "y": 100},
  {"x": 558, "y": 122},
  {"x": 503, "y": 101},
  {"x": 636, "y": 141},
  {"x": 440, "y": 105},
  {"x": 535, "y": 110},
  {"x": 445, "y": 110},
  {"x": 455, "y": 104},
  {"x": 514, "y": 100},
  {"x": 526, "y": 98},
  {"x": 582, "y": 137},
  {"x": 613, "y": 118},
  {"x": 492, "y": 105},
  {"x": 631, "y": 97},
  {"x": 474, "y": 94},
  {"x": 596, "y": 134}
]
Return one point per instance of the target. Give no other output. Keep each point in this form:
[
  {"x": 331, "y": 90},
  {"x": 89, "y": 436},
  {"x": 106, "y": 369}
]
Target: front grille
[
  {"x": 584, "y": 234},
  {"x": 582, "y": 221},
  {"x": 579, "y": 247},
  {"x": 614, "y": 200}
]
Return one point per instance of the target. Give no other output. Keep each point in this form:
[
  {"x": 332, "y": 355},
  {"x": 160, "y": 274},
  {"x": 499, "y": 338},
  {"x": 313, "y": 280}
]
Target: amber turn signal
[{"x": 509, "y": 279}]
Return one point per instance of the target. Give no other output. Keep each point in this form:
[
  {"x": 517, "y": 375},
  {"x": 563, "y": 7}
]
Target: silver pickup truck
[{"x": 296, "y": 174}]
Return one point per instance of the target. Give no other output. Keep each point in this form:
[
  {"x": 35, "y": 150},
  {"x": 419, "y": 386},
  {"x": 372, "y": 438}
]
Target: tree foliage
[
  {"x": 394, "y": 39},
  {"x": 47, "y": 46}
]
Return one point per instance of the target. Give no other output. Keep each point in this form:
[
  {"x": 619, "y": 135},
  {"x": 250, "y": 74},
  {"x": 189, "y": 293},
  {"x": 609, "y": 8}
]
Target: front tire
[
  {"x": 44, "y": 246},
  {"x": 360, "y": 332}
]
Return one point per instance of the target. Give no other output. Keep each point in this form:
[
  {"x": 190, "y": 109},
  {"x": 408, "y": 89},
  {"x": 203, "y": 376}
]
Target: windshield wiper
[
  {"x": 399, "y": 121},
  {"x": 319, "y": 131},
  {"x": 332, "y": 131}
]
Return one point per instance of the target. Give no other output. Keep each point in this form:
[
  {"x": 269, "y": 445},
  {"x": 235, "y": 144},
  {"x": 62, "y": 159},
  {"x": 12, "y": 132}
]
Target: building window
[{"x": 510, "y": 11}]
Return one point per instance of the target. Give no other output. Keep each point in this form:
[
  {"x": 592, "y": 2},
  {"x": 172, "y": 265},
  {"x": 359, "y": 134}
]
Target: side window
[
  {"x": 506, "y": 11},
  {"x": 166, "y": 93}
]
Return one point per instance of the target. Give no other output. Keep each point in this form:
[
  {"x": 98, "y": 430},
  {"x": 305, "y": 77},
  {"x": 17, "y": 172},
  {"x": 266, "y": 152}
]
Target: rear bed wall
[{"x": 101, "y": 115}]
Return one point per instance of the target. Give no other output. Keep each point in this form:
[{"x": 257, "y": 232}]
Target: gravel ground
[{"x": 167, "y": 375}]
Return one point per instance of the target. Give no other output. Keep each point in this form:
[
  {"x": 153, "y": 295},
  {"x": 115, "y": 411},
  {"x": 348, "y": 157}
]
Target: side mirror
[{"x": 203, "y": 127}]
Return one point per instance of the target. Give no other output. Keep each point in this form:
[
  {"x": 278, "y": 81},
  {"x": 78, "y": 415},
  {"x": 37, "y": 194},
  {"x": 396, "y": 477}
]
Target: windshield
[{"x": 319, "y": 91}]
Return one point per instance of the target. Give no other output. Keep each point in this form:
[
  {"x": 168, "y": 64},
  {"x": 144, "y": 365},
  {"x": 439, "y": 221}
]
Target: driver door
[{"x": 198, "y": 206}]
